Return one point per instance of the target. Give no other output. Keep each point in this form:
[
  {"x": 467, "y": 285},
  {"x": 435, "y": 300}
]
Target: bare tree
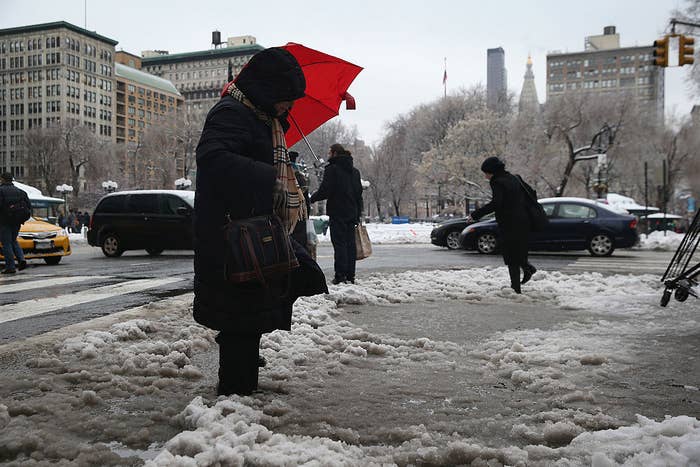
[
  {"x": 42, "y": 154},
  {"x": 81, "y": 151}
]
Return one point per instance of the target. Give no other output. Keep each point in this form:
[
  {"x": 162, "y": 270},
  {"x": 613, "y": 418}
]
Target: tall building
[
  {"x": 200, "y": 76},
  {"x": 496, "y": 77},
  {"x": 52, "y": 73},
  {"x": 528, "y": 103},
  {"x": 141, "y": 99},
  {"x": 604, "y": 67}
]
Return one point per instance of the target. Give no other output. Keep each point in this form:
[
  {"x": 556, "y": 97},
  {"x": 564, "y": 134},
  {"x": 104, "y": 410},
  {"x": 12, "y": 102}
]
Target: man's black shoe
[
  {"x": 338, "y": 279},
  {"x": 528, "y": 272},
  {"x": 8, "y": 271},
  {"x": 22, "y": 265}
]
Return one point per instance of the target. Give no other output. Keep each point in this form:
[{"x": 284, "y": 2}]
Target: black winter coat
[
  {"x": 10, "y": 194},
  {"x": 509, "y": 204},
  {"x": 235, "y": 177},
  {"x": 342, "y": 187}
]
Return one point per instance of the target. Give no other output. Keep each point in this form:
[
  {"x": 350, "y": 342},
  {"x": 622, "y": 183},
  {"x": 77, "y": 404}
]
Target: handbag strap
[
  {"x": 253, "y": 256},
  {"x": 527, "y": 192}
]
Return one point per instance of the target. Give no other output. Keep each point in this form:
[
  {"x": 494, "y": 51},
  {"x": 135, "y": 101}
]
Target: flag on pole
[{"x": 444, "y": 77}]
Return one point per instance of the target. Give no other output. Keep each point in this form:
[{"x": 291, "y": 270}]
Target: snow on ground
[
  {"x": 660, "y": 241},
  {"x": 77, "y": 238},
  {"x": 392, "y": 233},
  {"x": 131, "y": 367}
]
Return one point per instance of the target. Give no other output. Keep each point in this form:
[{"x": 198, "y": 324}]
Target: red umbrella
[{"x": 327, "y": 82}]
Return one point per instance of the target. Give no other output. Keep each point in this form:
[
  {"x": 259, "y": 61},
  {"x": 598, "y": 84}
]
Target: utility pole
[{"x": 646, "y": 197}]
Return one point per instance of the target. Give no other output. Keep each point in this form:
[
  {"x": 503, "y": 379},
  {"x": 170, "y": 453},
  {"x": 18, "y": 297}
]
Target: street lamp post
[
  {"x": 109, "y": 186},
  {"x": 64, "y": 190},
  {"x": 183, "y": 183}
]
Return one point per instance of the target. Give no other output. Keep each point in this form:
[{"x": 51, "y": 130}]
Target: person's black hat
[
  {"x": 492, "y": 165},
  {"x": 293, "y": 156},
  {"x": 272, "y": 75}
]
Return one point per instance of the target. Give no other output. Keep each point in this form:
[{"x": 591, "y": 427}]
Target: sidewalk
[{"x": 438, "y": 368}]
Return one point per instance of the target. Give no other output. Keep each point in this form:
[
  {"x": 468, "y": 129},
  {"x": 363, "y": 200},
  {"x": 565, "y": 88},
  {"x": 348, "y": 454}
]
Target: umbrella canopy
[{"x": 327, "y": 82}]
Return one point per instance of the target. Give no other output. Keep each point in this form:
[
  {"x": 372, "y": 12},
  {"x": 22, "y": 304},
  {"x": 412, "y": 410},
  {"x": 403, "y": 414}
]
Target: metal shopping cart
[{"x": 681, "y": 275}]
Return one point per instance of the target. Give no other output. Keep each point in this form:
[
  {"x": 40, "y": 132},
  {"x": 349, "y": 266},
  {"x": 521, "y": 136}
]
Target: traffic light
[
  {"x": 685, "y": 50},
  {"x": 661, "y": 52}
]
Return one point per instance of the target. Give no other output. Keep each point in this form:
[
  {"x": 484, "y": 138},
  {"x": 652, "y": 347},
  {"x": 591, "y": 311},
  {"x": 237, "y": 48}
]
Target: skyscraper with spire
[{"x": 528, "y": 103}]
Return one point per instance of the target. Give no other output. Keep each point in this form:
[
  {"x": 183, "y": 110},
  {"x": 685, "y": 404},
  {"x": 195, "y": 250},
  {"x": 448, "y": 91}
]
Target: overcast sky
[{"x": 400, "y": 43}]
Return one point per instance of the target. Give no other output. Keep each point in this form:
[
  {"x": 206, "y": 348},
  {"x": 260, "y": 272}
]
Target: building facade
[
  {"x": 141, "y": 99},
  {"x": 604, "y": 68},
  {"x": 200, "y": 76},
  {"x": 496, "y": 77},
  {"x": 52, "y": 74}
]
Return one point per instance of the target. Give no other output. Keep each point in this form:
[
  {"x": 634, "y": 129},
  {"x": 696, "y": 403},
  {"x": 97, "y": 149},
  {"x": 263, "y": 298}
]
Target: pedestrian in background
[
  {"x": 509, "y": 203},
  {"x": 14, "y": 211},
  {"x": 299, "y": 234},
  {"x": 70, "y": 221},
  {"x": 236, "y": 177},
  {"x": 342, "y": 187}
]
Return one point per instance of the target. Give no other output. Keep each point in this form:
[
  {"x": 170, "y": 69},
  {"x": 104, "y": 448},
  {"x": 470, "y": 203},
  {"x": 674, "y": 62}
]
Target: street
[
  {"x": 430, "y": 359},
  {"x": 54, "y": 296}
]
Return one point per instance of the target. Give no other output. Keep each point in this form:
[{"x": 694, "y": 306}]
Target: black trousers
[
  {"x": 344, "y": 250},
  {"x": 514, "y": 248},
  {"x": 238, "y": 363}
]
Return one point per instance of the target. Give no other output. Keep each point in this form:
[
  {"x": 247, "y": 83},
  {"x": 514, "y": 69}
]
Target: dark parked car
[
  {"x": 447, "y": 232},
  {"x": 154, "y": 220},
  {"x": 574, "y": 224}
]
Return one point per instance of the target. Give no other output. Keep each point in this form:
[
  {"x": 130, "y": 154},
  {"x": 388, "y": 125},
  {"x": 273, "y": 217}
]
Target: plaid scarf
[{"x": 291, "y": 209}]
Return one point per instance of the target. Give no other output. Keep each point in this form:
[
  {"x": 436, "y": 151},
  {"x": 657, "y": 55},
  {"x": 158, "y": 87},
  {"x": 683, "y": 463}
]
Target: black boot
[
  {"x": 528, "y": 271},
  {"x": 338, "y": 279},
  {"x": 514, "y": 272}
]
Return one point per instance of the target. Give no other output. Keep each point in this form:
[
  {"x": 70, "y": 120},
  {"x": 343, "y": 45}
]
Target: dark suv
[{"x": 154, "y": 220}]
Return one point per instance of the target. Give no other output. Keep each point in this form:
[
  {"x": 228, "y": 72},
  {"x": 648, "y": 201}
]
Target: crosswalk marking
[
  {"x": 600, "y": 264},
  {"x": 40, "y": 306},
  {"x": 36, "y": 284}
]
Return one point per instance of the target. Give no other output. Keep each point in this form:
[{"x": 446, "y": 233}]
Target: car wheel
[
  {"x": 53, "y": 260},
  {"x": 452, "y": 240},
  {"x": 111, "y": 246},
  {"x": 154, "y": 251},
  {"x": 486, "y": 243},
  {"x": 601, "y": 245}
]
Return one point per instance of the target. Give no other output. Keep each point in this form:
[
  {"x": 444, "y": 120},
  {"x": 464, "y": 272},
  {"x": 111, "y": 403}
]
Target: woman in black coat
[
  {"x": 236, "y": 177},
  {"x": 509, "y": 203}
]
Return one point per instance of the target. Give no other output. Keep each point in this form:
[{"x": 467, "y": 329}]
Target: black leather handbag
[{"x": 258, "y": 249}]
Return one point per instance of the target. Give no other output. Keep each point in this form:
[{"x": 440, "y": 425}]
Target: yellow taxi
[{"x": 43, "y": 240}]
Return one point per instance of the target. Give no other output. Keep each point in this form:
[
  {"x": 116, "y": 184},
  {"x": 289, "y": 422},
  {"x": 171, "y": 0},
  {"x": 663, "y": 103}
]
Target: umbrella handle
[{"x": 303, "y": 136}]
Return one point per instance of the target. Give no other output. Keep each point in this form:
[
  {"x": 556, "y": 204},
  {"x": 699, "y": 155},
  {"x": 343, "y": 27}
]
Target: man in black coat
[
  {"x": 509, "y": 203},
  {"x": 236, "y": 178},
  {"x": 342, "y": 187},
  {"x": 10, "y": 195}
]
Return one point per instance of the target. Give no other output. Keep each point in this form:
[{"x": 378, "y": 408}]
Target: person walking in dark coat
[
  {"x": 236, "y": 178},
  {"x": 299, "y": 233},
  {"x": 10, "y": 195},
  {"x": 342, "y": 187},
  {"x": 509, "y": 203}
]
